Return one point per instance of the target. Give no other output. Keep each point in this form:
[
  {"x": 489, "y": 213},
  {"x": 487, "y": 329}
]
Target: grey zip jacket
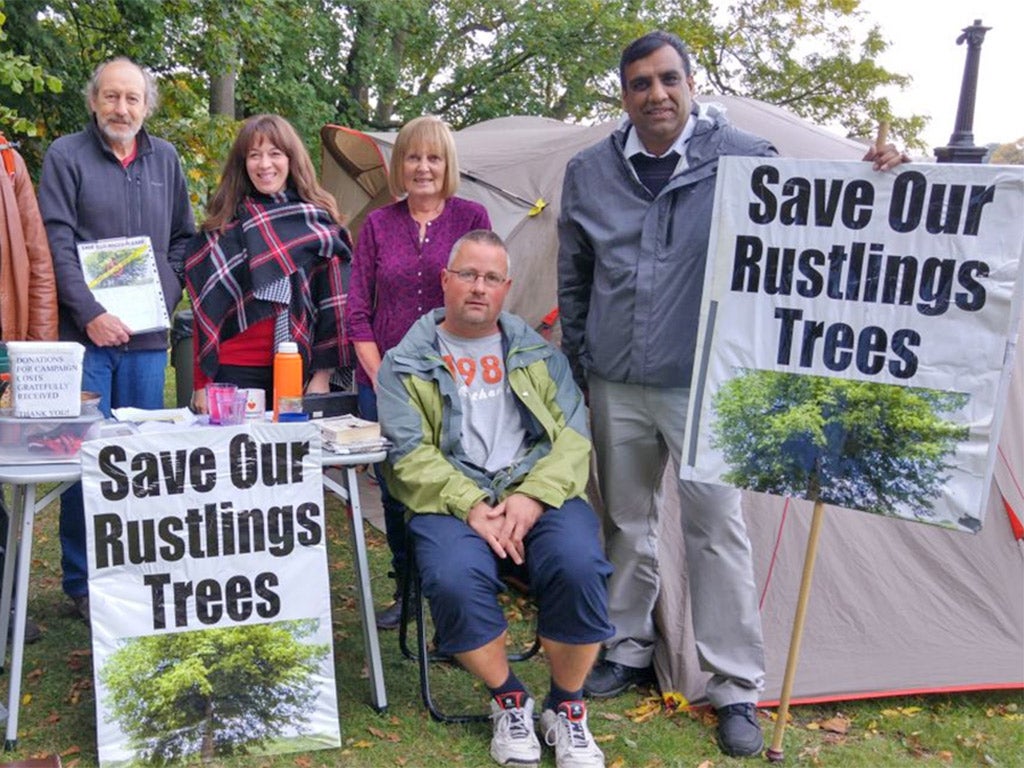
[
  {"x": 85, "y": 194},
  {"x": 631, "y": 264}
]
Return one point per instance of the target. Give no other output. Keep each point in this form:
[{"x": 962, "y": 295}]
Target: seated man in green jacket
[{"x": 491, "y": 456}]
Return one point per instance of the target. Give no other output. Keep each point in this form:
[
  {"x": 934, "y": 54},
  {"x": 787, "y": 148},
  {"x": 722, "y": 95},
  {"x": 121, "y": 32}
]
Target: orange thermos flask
[{"x": 287, "y": 374}]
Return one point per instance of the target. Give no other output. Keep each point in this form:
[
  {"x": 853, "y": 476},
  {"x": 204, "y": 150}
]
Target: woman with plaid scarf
[{"x": 269, "y": 265}]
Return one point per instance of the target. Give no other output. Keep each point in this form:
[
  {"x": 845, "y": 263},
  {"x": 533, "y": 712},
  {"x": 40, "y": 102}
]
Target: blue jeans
[
  {"x": 394, "y": 510},
  {"x": 566, "y": 569},
  {"x": 122, "y": 379}
]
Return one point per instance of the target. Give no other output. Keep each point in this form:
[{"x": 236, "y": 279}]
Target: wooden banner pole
[{"x": 775, "y": 752}]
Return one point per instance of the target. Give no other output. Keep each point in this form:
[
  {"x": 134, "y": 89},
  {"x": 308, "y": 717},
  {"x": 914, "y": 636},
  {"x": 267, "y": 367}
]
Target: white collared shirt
[{"x": 634, "y": 146}]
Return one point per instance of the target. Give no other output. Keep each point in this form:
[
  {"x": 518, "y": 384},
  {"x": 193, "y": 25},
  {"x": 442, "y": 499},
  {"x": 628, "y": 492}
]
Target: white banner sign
[
  {"x": 209, "y": 594},
  {"x": 856, "y": 334}
]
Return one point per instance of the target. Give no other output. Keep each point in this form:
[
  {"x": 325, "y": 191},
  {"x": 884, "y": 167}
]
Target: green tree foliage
[
  {"x": 17, "y": 75},
  {"x": 215, "y": 692},
  {"x": 806, "y": 56},
  {"x": 1011, "y": 153},
  {"x": 862, "y": 445},
  {"x": 376, "y": 64}
]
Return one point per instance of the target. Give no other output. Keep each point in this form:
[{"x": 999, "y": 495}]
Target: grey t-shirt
[{"x": 493, "y": 434}]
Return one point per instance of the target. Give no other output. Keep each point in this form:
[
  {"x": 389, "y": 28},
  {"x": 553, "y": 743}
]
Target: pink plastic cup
[{"x": 218, "y": 393}]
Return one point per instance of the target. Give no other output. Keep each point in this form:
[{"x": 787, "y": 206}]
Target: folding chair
[{"x": 412, "y": 609}]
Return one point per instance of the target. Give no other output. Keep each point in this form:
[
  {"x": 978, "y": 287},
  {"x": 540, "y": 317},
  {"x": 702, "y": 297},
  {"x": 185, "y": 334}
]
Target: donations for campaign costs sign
[
  {"x": 208, "y": 585},
  {"x": 856, "y": 334}
]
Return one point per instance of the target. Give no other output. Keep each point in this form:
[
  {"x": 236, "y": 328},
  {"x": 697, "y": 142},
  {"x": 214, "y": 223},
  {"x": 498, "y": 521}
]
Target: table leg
[
  {"x": 28, "y": 508},
  {"x": 10, "y": 558},
  {"x": 350, "y": 491}
]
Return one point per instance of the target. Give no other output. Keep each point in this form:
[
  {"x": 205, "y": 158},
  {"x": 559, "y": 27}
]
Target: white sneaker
[
  {"x": 566, "y": 730},
  {"x": 514, "y": 741}
]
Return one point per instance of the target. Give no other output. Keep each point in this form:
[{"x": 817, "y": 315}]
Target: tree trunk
[
  {"x": 206, "y": 751},
  {"x": 222, "y": 93}
]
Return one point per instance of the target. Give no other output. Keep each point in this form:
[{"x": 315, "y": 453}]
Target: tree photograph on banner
[
  {"x": 209, "y": 594},
  {"x": 857, "y": 331}
]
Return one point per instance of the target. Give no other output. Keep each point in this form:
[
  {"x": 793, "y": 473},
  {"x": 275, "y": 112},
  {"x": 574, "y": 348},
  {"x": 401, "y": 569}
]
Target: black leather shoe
[
  {"x": 609, "y": 678},
  {"x": 32, "y": 631},
  {"x": 82, "y": 607},
  {"x": 739, "y": 733},
  {"x": 390, "y": 617}
]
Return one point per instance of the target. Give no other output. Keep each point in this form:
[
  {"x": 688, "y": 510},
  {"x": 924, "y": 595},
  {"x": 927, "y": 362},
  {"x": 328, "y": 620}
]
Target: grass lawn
[{"x": 58, "y": 713}]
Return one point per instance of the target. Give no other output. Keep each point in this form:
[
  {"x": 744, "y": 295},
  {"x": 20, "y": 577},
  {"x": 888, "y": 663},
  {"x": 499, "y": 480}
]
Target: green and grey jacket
[{"x": 421, "y": 414}]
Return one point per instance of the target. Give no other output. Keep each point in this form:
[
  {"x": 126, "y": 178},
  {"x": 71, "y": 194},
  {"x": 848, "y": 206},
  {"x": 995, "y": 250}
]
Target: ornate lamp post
[{"x": 961, "y": 148}]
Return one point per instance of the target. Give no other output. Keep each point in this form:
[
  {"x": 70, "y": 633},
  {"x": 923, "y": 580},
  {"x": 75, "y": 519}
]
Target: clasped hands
[{"x": 505, "y": 525}]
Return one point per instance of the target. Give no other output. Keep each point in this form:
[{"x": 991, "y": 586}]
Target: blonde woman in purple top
[{"x": 396, "y": 276}]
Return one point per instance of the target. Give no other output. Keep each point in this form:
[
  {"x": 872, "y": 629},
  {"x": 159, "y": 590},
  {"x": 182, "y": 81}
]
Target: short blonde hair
[{"x": 430, "y": 132}]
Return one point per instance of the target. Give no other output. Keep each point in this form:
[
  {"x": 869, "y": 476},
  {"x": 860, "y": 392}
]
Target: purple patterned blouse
[{"x": 395, "y": 279}]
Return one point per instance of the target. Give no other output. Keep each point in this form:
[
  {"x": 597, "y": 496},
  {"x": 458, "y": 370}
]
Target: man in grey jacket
[
  {"x": 634, "y": 229},
  {"x": 112, "y": 180}
]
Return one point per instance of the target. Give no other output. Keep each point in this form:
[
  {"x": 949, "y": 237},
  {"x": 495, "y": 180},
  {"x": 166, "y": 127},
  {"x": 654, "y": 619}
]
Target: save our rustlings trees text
[
  {"x": 213, "y": 530},
  {"x": 859, "y": 271}
]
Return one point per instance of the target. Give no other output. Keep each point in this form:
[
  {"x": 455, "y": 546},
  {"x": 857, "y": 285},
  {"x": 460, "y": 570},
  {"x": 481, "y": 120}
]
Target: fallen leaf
[
  {"x": 705, "y": 716},
  {"x": 613, "y": 716},
  {"x": 362, "y": 744},
  {"x": 604, "y": 737},
  {"x": 944, "y": 755},
  {"x": 837, "y": 724},
  {"x": 618, "y": 762},
  {"x": 647, "y": 709},
  {"x": 813, "y": 726},
  {"x": 674, "y": 701},
  {"x": 73, "y": 750},
  {"x": 706, "y": 764},
  {"x": 303, "y": 761},
  {"x": 26, "y": 699},
  {"x": 811, "y": 753}
]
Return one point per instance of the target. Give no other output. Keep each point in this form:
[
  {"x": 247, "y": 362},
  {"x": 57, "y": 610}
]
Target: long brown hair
[{"x": 234, "y": 180}]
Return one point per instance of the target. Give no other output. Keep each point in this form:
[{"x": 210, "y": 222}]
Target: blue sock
[
  {"x": 559, "y": 695},
  {"x": 511, "y": 693}
]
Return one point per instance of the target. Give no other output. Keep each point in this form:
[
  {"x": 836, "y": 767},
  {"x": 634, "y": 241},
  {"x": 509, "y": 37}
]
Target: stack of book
[{"x": 350, "y": 434}]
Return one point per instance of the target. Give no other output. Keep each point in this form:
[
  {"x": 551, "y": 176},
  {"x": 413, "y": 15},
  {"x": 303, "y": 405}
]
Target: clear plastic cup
[{"x": 232, "y": 408}]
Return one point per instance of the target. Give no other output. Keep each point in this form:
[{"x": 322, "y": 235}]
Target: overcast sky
[{"x": 923, "y": 33}]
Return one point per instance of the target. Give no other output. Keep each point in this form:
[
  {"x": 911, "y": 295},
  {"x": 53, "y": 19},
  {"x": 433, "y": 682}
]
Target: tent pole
[{"x": 775, "y": 752}]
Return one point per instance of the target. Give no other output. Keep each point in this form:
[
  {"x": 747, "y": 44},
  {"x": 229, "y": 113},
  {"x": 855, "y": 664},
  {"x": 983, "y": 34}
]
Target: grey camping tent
[{"x": 896, "y": 607}]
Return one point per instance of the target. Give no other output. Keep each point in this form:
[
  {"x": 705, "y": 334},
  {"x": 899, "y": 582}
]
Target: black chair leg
[{"x": 412, "y": 609}]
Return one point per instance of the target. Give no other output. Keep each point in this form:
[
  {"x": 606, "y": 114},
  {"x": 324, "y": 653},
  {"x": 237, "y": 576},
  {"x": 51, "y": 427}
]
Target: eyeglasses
[{"x": 470, "y": 276}]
